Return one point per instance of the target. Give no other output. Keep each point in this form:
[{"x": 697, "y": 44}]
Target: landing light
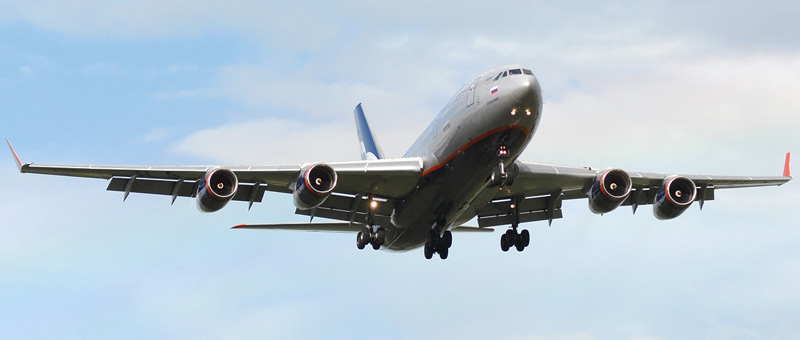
[
  {"x": 373, "y": 204},
  {"x": 528, "y": 112},
  {"x": 513, "y": 112}
]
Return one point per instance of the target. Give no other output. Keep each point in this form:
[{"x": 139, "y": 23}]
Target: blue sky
[{"x": 673, "y": 87}]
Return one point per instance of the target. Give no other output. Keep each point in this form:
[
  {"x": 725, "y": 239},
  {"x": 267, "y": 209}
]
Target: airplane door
[{"x": 471, "y": 94}]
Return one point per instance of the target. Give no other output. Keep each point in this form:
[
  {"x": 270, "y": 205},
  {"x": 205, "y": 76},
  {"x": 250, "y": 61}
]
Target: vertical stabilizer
[{"x": 370, "y": 149}]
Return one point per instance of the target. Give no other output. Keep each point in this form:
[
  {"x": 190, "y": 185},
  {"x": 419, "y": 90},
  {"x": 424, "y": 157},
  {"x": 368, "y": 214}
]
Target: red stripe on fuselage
[{"x": 478, "y": 139}]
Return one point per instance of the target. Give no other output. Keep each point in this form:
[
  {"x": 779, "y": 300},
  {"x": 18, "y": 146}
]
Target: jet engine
[
  {"x": 314, "y": 185},
  {"x": 676, "y": 194},
  {"x": 216, "y": 189},
  {"x": 610, "y": 189}
]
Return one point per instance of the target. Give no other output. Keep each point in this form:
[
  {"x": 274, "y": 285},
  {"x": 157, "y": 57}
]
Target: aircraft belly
[{"x": 445, "y": 193}]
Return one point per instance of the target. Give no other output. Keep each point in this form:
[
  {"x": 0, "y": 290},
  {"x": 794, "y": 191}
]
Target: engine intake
[
  {"x": 676, "y": 194},
  {"x": 216, "y": 189},
  {"x": 610, "y": 189},
  {"x": 314, "y": 185}
]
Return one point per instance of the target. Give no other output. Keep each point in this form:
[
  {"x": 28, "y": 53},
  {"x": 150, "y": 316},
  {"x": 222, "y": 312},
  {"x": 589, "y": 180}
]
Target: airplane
[{"x": 463, "y": 166}]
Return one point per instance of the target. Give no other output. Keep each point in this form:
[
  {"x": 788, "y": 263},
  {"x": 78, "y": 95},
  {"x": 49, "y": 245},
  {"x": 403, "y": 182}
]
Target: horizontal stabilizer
[
  {"x": 316, "y": 227},
  {"x": 468, "y": 229}
]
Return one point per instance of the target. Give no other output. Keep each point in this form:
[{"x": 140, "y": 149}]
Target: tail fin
[{"x": 370, "y": 149}]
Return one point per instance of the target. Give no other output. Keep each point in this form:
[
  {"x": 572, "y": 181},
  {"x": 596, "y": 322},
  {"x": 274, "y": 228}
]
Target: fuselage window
[
  {"x": 515, "y": 71},
  {"x": 527, "y": 71}
]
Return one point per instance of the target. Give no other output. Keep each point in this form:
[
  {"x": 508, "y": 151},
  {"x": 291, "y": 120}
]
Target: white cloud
[
  {"x": 274, "y": 23},
  {"x": 154, "y": 136},
  {"x": 686, "y": 106},
  {"x": 272, "y": 141}
]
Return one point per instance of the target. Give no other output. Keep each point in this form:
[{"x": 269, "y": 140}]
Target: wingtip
[
  {"x": 787, "y": 171},
  {"x": 16, "y": 157},
  {"x": 239, "y": 226}
]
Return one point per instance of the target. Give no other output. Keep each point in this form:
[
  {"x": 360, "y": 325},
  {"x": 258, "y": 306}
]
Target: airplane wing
[
  {"x": 385, "y": 178},
  {"x": 538, "y": 190}
]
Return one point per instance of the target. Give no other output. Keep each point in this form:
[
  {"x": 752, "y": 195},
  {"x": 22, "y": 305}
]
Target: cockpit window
[
  {"x": 515, "y": 71},
  {"x": 498, "y": 76},
  {"x": 527, "y": 71},
  {"x": 505, "y": 74}
]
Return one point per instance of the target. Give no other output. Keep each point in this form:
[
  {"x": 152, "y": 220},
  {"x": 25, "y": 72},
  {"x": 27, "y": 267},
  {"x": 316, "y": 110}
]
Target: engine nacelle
[
  {"x": 675, "y": 195},
  {"x": 314, "y": 185},
  {"x": 216, "y": 189},
  {"x": 610, "y": 189}
]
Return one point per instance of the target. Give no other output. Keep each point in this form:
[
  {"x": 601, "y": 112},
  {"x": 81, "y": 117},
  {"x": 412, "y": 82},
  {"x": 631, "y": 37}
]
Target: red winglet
[
  {"x": 239, "y": 226},
  {"x": 787, "y": 172},
  {"x": 16, "y": 158}
]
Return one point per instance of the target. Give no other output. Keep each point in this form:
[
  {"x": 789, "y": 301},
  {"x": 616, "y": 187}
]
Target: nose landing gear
[{"x": 502, "y": 176}]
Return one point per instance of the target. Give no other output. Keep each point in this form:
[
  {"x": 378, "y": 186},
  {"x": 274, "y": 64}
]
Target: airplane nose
[{"x": 527, "y": 92}]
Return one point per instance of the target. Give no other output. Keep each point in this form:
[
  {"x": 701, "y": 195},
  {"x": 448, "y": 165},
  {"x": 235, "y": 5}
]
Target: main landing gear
[
  {"x": 438, "y": 244},
  {"x": 513, "y": 239},
  {"x": 367, "y": 236}
]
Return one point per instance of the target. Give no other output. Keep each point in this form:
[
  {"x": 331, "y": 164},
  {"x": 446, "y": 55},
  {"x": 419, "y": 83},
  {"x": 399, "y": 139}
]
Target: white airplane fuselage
[{"x": 488, "y": 122}]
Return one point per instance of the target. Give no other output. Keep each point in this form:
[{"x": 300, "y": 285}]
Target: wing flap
[
  {"x": 520, "y": 210},
  {"x": 181, "y": 189},
  {"x": 352, "y": 209}
]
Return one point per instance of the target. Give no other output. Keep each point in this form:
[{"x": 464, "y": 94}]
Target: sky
[{"x": 673, "y": 87}]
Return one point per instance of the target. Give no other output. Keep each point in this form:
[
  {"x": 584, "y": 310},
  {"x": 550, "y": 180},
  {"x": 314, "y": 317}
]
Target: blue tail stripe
[{"x": 365, "y": 136}]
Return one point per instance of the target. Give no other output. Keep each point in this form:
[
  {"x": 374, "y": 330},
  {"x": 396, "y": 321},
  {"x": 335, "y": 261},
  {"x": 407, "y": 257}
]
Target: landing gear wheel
[
  {"x": 447, "y": 239},
  {"x": 380, "y": 236},
  {"x": 443, "y": 253},
  {"x": 513, "y": 239},
  {"x": 428, "y": 251},
  {"x": 518, "y": 244},
  {"x": 526, "y": 238},
  {"x": 361, "y": 240}
]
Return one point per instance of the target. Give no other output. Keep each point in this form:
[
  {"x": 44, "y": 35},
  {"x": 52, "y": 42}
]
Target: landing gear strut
[{"x": 438, "y": 244}]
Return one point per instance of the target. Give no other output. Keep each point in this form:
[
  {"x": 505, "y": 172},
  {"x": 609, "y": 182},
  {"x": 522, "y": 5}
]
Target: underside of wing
[
  {"x": 385, "y": 178},
  {"x": 538, "y": 190}
]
